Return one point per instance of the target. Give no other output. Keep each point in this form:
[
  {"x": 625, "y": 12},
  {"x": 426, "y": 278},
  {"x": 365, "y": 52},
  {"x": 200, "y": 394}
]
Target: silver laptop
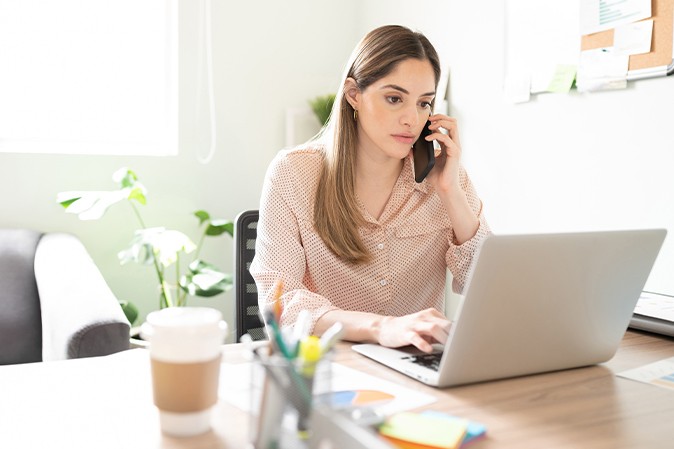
[{"x": 536, "y": 303}]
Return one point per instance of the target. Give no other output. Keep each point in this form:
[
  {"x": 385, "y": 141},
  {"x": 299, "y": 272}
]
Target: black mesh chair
[{"x": 247, "y": 309}]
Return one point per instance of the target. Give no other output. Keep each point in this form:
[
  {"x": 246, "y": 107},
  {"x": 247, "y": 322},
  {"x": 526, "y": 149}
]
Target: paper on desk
[
  {"x": 656, "y": 306},
  {"x": 241, "y": 386},
  {"x": 658, "y": 373}
]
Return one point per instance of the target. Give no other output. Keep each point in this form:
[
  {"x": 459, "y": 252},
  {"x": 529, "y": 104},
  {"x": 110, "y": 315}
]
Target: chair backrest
[{"x": 247, "y": 309}]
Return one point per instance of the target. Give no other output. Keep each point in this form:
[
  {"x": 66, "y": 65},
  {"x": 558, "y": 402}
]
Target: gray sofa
[{"x": 54, "y": 302}]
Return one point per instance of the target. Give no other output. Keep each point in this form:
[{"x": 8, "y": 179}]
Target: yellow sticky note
[{"x": 432, "y": 431}]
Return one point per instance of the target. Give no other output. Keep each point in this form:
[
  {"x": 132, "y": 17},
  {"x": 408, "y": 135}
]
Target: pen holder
[{"x": 290, "y": 389}]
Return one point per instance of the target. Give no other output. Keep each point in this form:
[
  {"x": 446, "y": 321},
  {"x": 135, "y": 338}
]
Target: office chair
[
  {"x": 54, "y": 302},
  {"x": 247, "y": 309}
]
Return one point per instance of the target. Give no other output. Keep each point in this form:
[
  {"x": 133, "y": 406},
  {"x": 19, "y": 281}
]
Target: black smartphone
[{"x": 423, "y": 154}]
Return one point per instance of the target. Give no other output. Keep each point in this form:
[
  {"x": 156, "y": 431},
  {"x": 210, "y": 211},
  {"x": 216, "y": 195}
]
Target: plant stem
[
  {"x": 165, "y": 295},
  {"x": 200, "y": 244},
  {"x": 180, "y": 297},
  {"x": 135, "y": 211}
]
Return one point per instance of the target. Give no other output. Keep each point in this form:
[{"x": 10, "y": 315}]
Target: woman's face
[{"x": 393, "y": 111}]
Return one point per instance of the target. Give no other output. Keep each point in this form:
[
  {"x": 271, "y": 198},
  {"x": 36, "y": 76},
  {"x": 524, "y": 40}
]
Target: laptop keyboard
[{"x": 430, "y": 361}]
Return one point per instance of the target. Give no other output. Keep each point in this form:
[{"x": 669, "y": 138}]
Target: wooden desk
[{"x": 107, "y": 403}]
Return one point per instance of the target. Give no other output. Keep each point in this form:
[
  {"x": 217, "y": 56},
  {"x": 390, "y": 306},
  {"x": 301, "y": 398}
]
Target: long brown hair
[{"x": 336, "y": 213}]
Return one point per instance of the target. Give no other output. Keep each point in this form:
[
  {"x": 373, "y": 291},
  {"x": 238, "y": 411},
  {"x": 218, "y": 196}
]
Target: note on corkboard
[{"x": 661, "y": 48}]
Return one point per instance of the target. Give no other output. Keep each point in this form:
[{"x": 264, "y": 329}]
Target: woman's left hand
[{"x": 445, "y": 174}]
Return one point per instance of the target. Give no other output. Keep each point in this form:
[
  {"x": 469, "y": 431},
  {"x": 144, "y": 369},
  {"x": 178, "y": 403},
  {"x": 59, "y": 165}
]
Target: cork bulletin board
[{"x": 660, "y": 61}]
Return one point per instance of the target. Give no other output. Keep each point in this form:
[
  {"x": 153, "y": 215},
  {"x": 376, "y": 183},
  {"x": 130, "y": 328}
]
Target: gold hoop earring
[{"x": 355, "y": 115}]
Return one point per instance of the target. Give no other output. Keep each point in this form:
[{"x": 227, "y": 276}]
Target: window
[{"x": 89, "y": 77}]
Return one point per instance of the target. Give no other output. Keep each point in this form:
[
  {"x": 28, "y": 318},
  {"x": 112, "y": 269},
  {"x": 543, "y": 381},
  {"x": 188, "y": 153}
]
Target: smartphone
[{"x": 423, "y": 154}]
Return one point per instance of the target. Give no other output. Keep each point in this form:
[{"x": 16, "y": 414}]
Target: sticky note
[
  {"x": 473, "y": 431},
  {"x": 562, "y": 79},
  {"x": 416, "y": 430}
]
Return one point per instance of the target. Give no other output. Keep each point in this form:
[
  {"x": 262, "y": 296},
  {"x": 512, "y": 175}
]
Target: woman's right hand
[{"x": 420, "y": 329}]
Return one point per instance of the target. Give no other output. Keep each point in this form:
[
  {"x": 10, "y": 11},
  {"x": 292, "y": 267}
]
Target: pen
[
  {"x": 267, "y": 434},
  {"x": 331, "y": 336},
  {"x": 309, "y": 355},
  {"x": 276, "y": 301},
  {"x": 247, "y": 342},
  {"x": 276, "y": 337},
  {"x": 280, "y": 375},
  {"x": 300, "y": 330}
]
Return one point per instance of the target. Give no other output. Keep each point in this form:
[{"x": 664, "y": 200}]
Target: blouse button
[
  {"x": 457, "y": 252},
  {"x": 380, "y": 246},
  {"x": 383, "y": 282}
]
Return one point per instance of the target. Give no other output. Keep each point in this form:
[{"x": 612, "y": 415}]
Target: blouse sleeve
[
  {"x": 459, "y": 258},
  {"x": 279, "y": 253}
]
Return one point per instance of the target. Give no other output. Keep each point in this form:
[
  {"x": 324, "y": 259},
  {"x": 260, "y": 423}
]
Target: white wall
[
  {"x": 560, "y": 162},
  {"x": 268, "y": 56}
]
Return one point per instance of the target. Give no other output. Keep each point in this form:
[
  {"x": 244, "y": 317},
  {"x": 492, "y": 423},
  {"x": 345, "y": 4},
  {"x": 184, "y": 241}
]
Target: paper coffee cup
[{"x": 185, "y": 354}]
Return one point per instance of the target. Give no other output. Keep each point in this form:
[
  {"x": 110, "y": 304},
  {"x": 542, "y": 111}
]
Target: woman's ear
[{"x": 351, "y": 92}]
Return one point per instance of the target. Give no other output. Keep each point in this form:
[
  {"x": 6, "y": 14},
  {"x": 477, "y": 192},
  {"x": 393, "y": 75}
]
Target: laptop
[
  {"x": 536, "y": 303},
  {"x": 654, "y": 312}
]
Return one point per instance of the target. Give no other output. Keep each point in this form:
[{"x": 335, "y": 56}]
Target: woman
[{"x": 343, "y": 224}]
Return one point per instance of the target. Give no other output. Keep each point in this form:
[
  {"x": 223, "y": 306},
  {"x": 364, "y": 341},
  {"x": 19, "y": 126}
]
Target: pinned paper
[
  {"x": 600, "y": 15},
  {"x": 414, "y": 430},
  {"x": 601, "y": 69},
  {"x": 562, "y": 79},
  {"x": 634, "y": 38}
]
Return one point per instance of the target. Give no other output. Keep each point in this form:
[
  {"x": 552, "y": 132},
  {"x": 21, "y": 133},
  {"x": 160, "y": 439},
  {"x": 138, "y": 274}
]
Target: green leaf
[
  {"x": 199, "y": 266},
  {"x": 125, "y": 177},
  {"x": 130, "y": 310},
  {"x": 90, "y": 205},
  {"x": 128, "y": 182},
  {"x": 67, "y": 203},
  {"x": 219, "y": 227},
  {"x": 139, "y": 252},
  {"x": 138, "y": 194},
  {"x": 203, "y": 216},
  {"x": 205, "y": 280}
]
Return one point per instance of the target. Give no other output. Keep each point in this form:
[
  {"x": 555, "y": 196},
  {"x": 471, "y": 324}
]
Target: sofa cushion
[
  {"x": 80, "y": 314},
  {"x": 101, "y": 338},
  {"x": 20, "y": 318}
]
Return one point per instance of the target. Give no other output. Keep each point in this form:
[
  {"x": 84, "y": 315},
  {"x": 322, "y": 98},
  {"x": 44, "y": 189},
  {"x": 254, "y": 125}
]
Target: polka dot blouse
[{"x": 411, "y": 246}]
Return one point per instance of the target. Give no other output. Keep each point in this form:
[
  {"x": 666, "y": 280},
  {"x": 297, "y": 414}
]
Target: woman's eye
[
  {"x": 425, "y": 104},
  {"x": 393, "y": 100}
]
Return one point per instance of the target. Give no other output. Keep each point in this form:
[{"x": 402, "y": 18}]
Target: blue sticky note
[{"x": 473, "y": 431}]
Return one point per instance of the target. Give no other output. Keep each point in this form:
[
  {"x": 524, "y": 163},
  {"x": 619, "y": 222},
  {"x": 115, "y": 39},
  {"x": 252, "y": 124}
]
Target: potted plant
[
  {"x": 322, "y": 106},
  {"x": 173, "y": 256}
]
